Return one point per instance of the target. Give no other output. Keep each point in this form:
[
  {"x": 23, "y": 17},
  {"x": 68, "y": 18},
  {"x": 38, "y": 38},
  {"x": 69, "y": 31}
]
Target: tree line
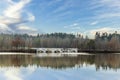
[{"x": 101, "y": 42}]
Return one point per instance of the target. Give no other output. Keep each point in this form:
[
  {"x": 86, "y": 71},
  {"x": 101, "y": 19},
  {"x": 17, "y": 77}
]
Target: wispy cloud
[
  {"x": 94, "y": 23},
  {"x": 109, "y": 15},
  {"x": 4, "y": 28},
  {"x": 111, "y": 3},
  {"x": 15, "y": 9},
  {"x": 44, "y": 5},
  {"x": 60, "y": 9},
  {"x": 106, "y": 9},
  {"x": 26, "y": 29},
  {"x": 73, "y": 26},
  {"x": 14, "y": 15}
]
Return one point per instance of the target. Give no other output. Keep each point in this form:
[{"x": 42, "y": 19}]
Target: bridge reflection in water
[{"x": 104, "y": 61}]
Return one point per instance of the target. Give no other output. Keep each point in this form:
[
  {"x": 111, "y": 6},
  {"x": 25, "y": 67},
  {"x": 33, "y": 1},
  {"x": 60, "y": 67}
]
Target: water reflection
[{"x": 104, "y": 61}]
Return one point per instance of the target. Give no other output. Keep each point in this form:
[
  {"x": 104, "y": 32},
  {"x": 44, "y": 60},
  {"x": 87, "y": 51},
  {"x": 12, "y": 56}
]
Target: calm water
[{"x": 82, "y": 67}]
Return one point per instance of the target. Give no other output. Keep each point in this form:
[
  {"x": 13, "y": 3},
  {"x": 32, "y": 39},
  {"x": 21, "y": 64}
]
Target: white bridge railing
[{"x": 56, "y": 50}]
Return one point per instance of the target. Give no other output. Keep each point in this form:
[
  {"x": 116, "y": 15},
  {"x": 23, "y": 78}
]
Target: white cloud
[
  {"x": 77, "y": 27},
  {"x": 15, "y": 15},
  {"x": 92, "y": 32},
  {"x": 109, "y": 15},
  {"x": 73, "y": 26},
  {"x": 4, "y": 20},
  {"x": 105, "y": 29},
  {"x": 111, "y": 3},
  {"x": 3, "y": 27},
  {"x": 26, "y": 28},
  {"x": 94, "y": 23},
  {"x": 15, "y": 10},
  {"x": 10, "y": 2},
  {"x": 106, "y": 4},
  {"x": 31, "y": 17}
]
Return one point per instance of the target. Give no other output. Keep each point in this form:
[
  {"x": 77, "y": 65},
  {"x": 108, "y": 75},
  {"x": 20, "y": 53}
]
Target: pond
[{"x": 81, "y": 67}]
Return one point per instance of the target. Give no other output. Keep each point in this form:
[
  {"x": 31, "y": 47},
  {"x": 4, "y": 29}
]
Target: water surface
[{"x": 82, "y": 67}]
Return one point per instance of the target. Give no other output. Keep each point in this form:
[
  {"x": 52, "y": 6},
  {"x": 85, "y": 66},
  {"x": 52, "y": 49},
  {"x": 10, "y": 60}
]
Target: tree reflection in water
[{"x": 104, "y": 61}]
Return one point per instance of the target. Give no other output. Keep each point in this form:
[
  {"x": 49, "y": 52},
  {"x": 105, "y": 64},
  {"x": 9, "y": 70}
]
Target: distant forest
[{"x": 102, "y": 41}]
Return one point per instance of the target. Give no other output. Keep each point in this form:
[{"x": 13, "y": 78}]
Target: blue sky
[{"x": 71, "y": 16}]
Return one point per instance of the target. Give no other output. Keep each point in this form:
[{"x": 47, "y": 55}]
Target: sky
[{"x": 49, "y": 16}]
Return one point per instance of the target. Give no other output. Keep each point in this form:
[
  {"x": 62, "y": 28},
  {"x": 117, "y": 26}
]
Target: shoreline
[
  {"x": 19, "y": 51},
  {"x": 14, "y": 53},
  {"x": 78, "y": 53},
  {"x": 31, "y": 51},
  {"x": 100, "y": 52}
]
